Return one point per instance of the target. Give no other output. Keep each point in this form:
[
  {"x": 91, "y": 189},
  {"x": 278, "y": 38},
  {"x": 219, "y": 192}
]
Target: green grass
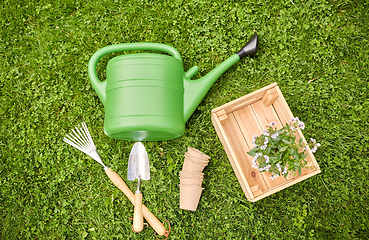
[{"x": 318, "y": 53}]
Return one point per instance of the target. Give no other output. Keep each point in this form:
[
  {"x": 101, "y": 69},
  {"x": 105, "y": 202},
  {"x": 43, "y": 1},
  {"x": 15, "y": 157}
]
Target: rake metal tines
[{"x": 80, "y": 138}]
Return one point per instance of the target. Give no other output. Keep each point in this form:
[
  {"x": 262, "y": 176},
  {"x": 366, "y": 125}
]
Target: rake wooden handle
[
  {"x": 137, "y": 214},
  {"x": 150, "y": 218}
]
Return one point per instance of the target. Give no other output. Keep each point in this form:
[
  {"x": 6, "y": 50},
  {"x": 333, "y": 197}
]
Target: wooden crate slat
[
  {"x": 249, "y": 126},
  {"x": 219, "y": 128},
  {"x": 240, "y": 149},
  {"x": 281, "y": 107},
  {"x": 248, "y": 123},
  {"x": 247, "y": 142},
  {"x": 265, "y": 116}
]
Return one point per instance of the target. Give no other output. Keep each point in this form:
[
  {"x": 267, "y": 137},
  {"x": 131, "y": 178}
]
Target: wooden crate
[{"x": 238, "y": 121}]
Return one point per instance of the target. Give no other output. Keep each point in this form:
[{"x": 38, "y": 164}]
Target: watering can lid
[{"x": 143, "y": 59}]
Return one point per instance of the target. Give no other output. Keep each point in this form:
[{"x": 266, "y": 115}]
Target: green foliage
[
  {"x": 317, "y": 52},
  {"x": 276, "y": 150}
]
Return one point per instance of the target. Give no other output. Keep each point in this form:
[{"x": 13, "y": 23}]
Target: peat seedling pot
[{"x": 238, "y": 121}]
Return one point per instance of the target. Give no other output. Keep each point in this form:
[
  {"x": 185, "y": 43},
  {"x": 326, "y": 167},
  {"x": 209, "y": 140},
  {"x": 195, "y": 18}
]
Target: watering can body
[
  {"x": 144, "y": 97},
  {"x": 148, "y": 96}
]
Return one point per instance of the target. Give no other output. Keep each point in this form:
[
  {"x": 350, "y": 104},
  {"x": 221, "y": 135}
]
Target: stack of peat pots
[{"x": 191, "y": 178}]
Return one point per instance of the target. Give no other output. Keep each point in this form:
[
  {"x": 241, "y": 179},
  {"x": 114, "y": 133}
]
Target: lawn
[{"x": 317, "y": 52}]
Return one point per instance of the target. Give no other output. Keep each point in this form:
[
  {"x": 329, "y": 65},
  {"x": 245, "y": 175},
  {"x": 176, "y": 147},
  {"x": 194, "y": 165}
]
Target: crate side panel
[
  {"x": 244, "y": 100},
  {"x": 285, "y": 185}
]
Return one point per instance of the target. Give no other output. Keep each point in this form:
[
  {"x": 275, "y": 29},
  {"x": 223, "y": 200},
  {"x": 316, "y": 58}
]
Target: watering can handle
[{"x": 100, "y": 85}]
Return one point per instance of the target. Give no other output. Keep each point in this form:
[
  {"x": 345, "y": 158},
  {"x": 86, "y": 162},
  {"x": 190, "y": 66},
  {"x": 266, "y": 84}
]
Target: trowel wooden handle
[
  {"x": 137, "y": 214},
  {"x": 150, "y": 218}
]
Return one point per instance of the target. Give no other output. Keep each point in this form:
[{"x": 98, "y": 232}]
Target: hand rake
[{"x": 80, "y": 138}]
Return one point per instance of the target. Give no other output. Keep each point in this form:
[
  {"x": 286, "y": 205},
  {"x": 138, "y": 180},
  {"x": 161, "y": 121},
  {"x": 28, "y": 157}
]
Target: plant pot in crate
[{"x": 238, "y": 121}]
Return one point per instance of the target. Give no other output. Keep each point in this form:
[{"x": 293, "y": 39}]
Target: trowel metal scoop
[{"x": 138, "y": 168}]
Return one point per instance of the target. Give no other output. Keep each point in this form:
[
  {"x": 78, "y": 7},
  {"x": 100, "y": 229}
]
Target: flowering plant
[{"x": 277, "y": 151}]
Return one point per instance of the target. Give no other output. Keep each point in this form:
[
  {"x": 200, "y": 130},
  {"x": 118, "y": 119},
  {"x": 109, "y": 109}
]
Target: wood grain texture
[{"x": 238, "y": 121}]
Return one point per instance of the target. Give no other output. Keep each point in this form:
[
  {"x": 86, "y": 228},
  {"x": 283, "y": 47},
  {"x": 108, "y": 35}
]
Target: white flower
[
  {"x": 274, "y": 176},
  {"x": 266, "y": 133},
  {"x": 296, "y": 124},
  {"x": 275, "y": 135},
  {"x": 254, "y": 165},
  {"x": 263, "y": 147},
  {"x": 301, "y": 125},
  {"x": 272, "y": 123},
  {"x": 254, "y": 161},
  {"x": 296, "y": 119},
  {"x": 278, "y": 166},
  {"x": 316, "y": 145},
  {"x": 268, "y": 167},
  {"x": 266, "y": 158},
  {"x": 253, "y": 141},
  {"x": 266, "y": 141},
  {"x": 254, "y": 138}
]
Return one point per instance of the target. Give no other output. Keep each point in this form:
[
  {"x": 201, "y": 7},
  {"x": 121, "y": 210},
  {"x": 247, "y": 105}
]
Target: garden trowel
[{"x": 138, "y": 168}]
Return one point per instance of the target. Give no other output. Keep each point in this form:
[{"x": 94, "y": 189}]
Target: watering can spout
[{"x": 195, "y": 90}]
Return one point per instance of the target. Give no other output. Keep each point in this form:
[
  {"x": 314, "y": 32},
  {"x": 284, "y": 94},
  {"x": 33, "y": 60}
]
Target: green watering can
[{"x": 148, "y": 96}]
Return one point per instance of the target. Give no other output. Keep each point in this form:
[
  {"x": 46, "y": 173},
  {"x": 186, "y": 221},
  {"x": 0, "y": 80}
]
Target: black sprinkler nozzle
[{"x": 250, "y": 48}]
